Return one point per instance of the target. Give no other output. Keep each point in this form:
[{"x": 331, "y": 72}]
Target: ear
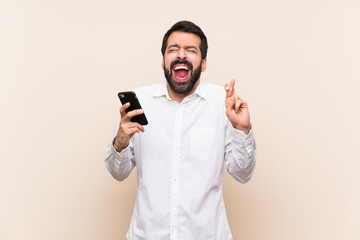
[
  {"x": 203, "y": 67},
  {"x": 162, "y": 64}
]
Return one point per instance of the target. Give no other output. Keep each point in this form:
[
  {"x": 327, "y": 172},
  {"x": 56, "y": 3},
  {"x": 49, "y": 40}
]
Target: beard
[{"x": 182, "y": 87}]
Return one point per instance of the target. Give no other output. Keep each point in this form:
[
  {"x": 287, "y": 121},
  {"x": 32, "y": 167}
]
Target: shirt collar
[{"x": 162, "y": 91}]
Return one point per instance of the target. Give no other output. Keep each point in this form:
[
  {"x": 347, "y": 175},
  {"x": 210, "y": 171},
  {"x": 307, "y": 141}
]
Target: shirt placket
[{"x": 175, "y": 174}]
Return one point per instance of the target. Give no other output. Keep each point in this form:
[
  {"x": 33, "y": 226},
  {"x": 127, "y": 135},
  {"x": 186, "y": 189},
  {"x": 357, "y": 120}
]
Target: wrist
[
  {"x": 246, "y": 130},
  {"x": 117, "y": 146}
]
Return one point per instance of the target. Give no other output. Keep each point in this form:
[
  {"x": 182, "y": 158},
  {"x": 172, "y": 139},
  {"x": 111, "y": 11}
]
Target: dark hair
[{"x": 189, "y": 27}]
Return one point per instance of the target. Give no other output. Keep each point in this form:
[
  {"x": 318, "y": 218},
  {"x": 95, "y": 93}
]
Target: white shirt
[{"x": 179, "y": 160}]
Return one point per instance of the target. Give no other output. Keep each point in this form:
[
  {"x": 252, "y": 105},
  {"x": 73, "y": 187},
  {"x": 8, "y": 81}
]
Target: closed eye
[
  {"x": 173, "y": 48},
  {"x": 191, "y": 49}
]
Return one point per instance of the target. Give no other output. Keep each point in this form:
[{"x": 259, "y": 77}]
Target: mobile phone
[{"x": 131, "y": 97}]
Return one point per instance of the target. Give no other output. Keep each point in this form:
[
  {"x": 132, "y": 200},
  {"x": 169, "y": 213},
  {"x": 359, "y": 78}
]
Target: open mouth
[{"x": 181, "y": 72}]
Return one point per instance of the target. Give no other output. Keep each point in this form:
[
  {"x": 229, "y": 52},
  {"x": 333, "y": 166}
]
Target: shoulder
[
  {"x": 147, "y": 91},
  {"x": 214, "y": 90}
]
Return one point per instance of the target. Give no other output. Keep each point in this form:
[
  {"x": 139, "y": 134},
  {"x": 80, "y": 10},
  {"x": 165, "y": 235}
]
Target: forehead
[{"x": 184, "y": 39}]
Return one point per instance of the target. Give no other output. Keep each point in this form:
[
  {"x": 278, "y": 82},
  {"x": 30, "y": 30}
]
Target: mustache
[{"x": 185, "y": 62}]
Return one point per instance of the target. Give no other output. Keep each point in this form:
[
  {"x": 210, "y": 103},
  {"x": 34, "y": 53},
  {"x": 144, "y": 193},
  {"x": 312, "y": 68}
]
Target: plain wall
[{"x": 63, "y": 62}]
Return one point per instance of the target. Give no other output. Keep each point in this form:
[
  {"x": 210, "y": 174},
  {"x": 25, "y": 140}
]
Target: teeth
[{"x": 181, "y": 67}]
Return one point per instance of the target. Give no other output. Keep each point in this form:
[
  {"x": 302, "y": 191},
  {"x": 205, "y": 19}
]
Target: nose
[{"x": 181, "y": 54}]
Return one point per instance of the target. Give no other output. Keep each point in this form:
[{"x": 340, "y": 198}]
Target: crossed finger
[{"x": 229, "y": 87}]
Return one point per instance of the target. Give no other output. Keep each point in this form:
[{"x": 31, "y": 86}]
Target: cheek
[
  {"x": 196, "y": 63},
  {"x": 167, "y": 62},
  {"x": 195, "y": 59}
]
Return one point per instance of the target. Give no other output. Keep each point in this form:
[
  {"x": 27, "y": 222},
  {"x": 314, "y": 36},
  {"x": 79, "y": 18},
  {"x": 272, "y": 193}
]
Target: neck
[{"x": 179, "y": 97}]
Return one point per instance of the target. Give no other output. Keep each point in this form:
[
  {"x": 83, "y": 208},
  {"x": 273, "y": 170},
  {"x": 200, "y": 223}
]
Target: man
[{"x": 194, "y": 128}]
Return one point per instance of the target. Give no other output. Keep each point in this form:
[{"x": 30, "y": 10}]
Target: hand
[
  {"x": 127, "y": 129},
  {"x": 236, "y": 109}
]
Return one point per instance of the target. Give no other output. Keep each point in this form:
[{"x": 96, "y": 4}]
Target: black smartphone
[{"x": 131, "y": 97}]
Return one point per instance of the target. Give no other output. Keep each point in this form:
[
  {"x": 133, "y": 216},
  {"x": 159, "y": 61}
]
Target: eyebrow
[{"x": 174, "y": 45}]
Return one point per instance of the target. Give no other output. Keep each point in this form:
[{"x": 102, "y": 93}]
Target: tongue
[{"x": 181, "y": 73}]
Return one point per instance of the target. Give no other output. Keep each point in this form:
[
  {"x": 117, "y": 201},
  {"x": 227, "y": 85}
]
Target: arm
[
  {"x": 120, "y": 164},
  {"x": 240, "y": 153},
  {"x": 119, "y": 158},
  {"x": 240, "y": 148}
]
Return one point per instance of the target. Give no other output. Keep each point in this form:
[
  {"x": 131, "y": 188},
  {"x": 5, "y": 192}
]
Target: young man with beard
[{"x": 194, "y": 129}]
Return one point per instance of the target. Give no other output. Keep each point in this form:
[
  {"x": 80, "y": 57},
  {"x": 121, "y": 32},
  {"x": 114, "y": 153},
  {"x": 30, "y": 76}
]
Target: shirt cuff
[
  {"x": 119, "y": 155},
  {"x": 240, "y": 137}
]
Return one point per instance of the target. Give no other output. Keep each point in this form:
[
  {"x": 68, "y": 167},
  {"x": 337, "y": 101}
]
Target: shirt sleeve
[
  {"x": 120, "y": 164},
  {"x": 240, "y": 153}
]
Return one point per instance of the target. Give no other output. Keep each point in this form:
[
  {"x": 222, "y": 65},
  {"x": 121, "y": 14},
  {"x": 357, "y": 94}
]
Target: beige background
[{"x": 63, "y": 62}]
